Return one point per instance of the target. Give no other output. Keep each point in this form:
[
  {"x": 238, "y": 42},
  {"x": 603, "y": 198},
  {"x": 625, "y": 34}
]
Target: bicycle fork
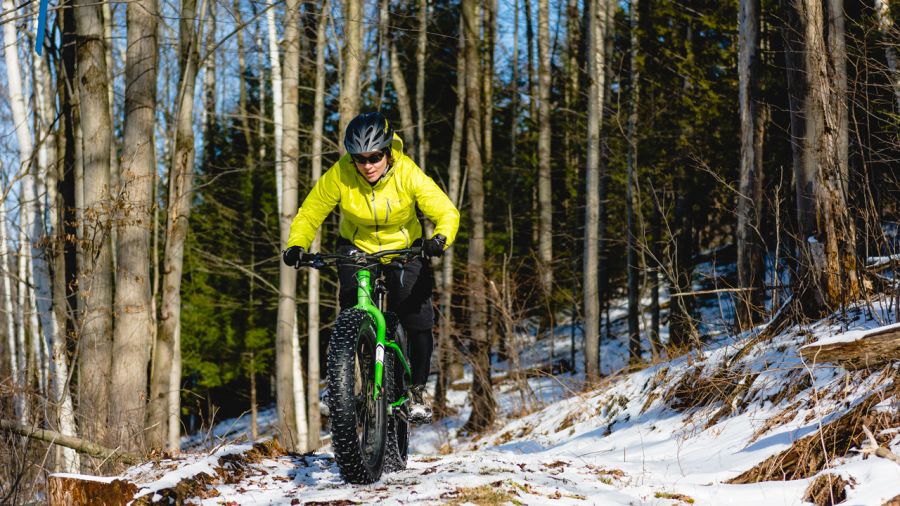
[{"x": 364, "y": 298}]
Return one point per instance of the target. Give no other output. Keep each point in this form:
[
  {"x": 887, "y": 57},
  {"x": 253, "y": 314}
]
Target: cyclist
[{"x": 378, "y": 188}]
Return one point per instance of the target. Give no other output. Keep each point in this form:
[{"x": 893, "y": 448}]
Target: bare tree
[
  {"x": 134, "y": 319},
  {"x": 403, "y": 102},
  {"x": 421, "y": 45},
  {"x": 95, "y": 276},
  {"x": 596, "y": 46},
  {"x": 25, "y": 151},
  {"x": 886, "y": 25},
  {"x": 634, "y": 73},
  {"x": 313, "y": 295},
  {"x": 828, "y": 257},
  {"x": 291, "y": 430},
  {"x": 165, "y": 387},
  {"x": 277, "y": 99},
  {"x": 489, "y": 30},
  {"x": 445, "y": 344},
  {"x": 750, "y": 268},
  {"x": 354, "y": 55},
  {"x": 545, "y": 192},
  {"x": 483, "y": 404}
]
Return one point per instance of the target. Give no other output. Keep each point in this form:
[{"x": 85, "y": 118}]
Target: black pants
[{"x": 409, "y": 296}]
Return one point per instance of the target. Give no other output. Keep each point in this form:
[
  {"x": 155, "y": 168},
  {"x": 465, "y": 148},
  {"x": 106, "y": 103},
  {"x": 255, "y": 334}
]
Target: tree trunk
[
  {"x": 25, "y": 148},
  {"x": 483, "y": 404},
  {"x": 750, "y": 267},
  {"x": 446, "y": 342},
  {"x": 682, "y": 330},
  {"x": 353, "y": 57},
  {"x": 828, "y": 258},
  {"x": 134, "y": 319},
  {"x": 277, "y": 100},
  {"x": 403, "y": 103},
  {"x": 95, "y": 277},
  {"x": 634, "y": 332},
  {"x": 529, "y": 41},
  {"x": 886, "y": 26},
  {"x": 545, "y": 193},
  {"x": 165, "y": 388},
  {"x": 490, "y": 39},
  {"x": 289, "y": 430},
  {"x": 242, "y": 74},
  {"x": 50, "y": 294},
  {"x": 421, "y": 46},
  {"x": 16, "y": 354},
  {"x": 315, "y": 423},
  {"x": 596, "y": 28}
]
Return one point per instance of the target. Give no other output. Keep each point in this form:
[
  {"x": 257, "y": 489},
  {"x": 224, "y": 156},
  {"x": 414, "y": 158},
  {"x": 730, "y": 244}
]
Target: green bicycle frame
[{"x": 364, "y": 302}]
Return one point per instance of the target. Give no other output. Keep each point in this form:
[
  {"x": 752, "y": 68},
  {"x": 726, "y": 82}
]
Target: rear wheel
[
  {"x": 397, "y": 451},
  {"x": 359, "y": 423}
]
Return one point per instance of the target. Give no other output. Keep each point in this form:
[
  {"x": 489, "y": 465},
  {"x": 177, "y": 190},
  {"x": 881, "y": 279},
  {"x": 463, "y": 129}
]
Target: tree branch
[{"x": 76, "y": 443}]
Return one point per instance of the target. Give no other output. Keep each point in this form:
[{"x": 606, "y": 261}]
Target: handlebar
[{"x": 358, "y": 258}]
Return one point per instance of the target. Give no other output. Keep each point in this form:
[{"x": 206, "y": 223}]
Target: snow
[
  {"x": 849, "y": 337},
  {"x": 621, "y": 443}
]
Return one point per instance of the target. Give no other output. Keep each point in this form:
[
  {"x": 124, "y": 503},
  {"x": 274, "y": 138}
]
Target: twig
[{"x": 873, "y": 448}]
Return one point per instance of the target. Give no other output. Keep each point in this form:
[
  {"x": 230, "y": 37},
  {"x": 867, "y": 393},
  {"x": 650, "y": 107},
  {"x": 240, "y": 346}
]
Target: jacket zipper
[
  {"x": 375, "y": 215},
  {"x": 403, "y": 229}
]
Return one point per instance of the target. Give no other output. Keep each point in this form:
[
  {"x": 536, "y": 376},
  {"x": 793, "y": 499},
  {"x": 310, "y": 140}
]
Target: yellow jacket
[{"x": 379, "y": 217}]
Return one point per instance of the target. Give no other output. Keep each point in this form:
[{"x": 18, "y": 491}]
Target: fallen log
[
  {"x": 863, "y": 350},
  {"x": 76, "y": 443}
]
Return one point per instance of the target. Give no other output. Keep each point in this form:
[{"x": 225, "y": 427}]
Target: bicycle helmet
[{"x": 368, "y": 132}]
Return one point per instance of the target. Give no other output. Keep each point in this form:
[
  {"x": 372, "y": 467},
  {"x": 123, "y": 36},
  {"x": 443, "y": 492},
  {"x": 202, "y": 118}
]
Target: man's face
[{"x": 370, "y": 165}]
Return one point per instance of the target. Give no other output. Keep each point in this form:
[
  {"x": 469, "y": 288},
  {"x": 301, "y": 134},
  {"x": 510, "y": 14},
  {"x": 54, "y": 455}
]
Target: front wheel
[
  {"x": 397, "y": 451},
  {"x": 358, "y": 422}
]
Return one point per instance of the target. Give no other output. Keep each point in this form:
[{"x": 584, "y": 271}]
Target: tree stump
[{"x": 75, "y": 490}]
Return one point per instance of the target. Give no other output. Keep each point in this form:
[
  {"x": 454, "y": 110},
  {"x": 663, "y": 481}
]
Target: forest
[{"x": 599, "y": 152}]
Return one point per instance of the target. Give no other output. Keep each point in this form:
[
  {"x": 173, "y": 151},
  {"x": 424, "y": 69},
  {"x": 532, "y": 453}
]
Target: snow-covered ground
[{"x": 674, "y": 432}]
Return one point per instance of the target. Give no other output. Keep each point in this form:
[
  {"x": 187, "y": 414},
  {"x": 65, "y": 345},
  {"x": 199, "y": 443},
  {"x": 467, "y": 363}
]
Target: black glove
[
  {"x": 293, "y": 256},
  {"x": 434, "y": 247}
]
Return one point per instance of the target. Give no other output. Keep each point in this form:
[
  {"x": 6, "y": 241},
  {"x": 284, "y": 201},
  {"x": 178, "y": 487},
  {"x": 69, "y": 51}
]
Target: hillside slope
[{"x": 742, "y": 422}]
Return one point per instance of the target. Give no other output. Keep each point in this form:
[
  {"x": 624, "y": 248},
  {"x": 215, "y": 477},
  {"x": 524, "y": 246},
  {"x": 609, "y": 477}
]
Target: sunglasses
[{"x": 360, "y": 159}]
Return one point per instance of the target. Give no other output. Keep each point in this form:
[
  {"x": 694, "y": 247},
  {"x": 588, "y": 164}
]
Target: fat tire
[
  {"x": 397, "y": 451},
  {"x": 354, "y": 338}
]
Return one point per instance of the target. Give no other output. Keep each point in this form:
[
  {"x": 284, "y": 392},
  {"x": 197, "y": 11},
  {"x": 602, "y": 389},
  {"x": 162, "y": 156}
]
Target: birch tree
[
  {"x": 886, "y": 26},
  {"x": 277, "y": 100},
  {"x": 25, "y": 151},
  {"x": 165, "y": 387},
  {"x": 50, "y": 293},
  {"x": 16, "y": 349},
  {"x": 95, "y": 276},
  {"x": 134, "y": 318}
]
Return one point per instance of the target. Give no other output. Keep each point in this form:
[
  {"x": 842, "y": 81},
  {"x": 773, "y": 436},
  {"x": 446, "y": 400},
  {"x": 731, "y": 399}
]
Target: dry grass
[
  {"x": 811, "y": 454},
  {"x": 675, "y": 497},
  {"x": 723, "y": 387},
  {"x": 493, "y": 494},
  {"x": 826, "y": 490}
]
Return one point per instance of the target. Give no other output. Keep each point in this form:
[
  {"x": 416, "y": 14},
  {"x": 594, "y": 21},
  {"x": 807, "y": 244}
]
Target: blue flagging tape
[{"x": 41, "y": 28}]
